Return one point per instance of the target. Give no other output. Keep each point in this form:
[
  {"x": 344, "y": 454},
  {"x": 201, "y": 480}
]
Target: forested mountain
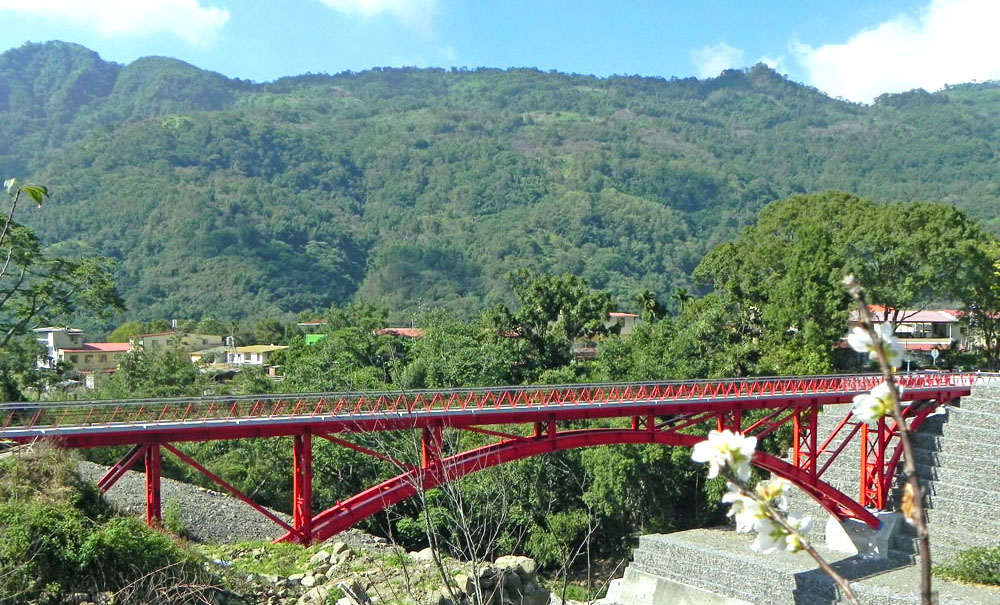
[{"x": 419, "y": 187}]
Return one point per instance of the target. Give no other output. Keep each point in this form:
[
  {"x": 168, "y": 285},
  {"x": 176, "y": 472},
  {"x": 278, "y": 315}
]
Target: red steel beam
[
  {"x": 151, "y": 412},
  {"x": 121, "y": 467},
  {"x": 153, "y": 468},
  {"x": 373, "y": 500},
  {"x": 302, "y": 486},
  {"x": 226, "y": 486}
]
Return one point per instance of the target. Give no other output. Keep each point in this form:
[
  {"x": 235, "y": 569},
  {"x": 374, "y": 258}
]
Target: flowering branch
[
  {"x": 765, "y": 509},
  {"x": 883, "y": 346}
]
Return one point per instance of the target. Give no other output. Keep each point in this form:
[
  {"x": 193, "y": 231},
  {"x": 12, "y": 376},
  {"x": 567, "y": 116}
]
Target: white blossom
[
  {"x": 794, "y": 540},
  {"x": 770, "y": 536},
  {"x": 862, "y": 342},
  {"x": 743, "y": 509},
  {"x": 873, "y": 405},
  {"x": 726, "y": 449},
  {"x": 773, "y": 492}
]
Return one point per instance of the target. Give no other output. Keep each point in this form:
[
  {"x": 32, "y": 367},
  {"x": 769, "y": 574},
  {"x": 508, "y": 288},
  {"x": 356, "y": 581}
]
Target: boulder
[
  {"x": 355, "y": 593},
  {"x": 465, "y": 584},
  {"x": 320, "y": 558},
  {"x": 426, "y": 555},
  {"x": 525, "y": 567},
  {"x": 339, "y": 547},
  {"x": 314, "y": 596}
]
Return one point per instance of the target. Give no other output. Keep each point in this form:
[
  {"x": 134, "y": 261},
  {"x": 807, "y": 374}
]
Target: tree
[
  {"x": 682, "y": 297},
  {"x": 649, "y": 306},
  {"x": 126, "y": 332},
  {"x": 352, "y": 356},
  {"x": 981, "y": 312},
  {"x": 35, "y": 288},
  {"x": 788, "y": 267},
  {"x": 148, "y": 374},
  {"x": 555, "y": 311}
]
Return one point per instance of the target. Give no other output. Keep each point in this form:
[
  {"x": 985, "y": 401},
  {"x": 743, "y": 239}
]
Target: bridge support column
[
  {"x": 153, "y": 467},
  {"x": 302, "y": 486},
  {"x": 873, "y": 446},
  {"x": 430, "y": 446},
  {"x": 804, "y": 451},
  {"x": 730, "y": 419}
]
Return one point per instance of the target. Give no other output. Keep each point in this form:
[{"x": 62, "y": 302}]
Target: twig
[{"x": 913, "y": 502}]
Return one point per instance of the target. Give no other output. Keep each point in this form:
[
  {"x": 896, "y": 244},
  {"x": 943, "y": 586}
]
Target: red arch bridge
[{"x": 523, "y": 421}]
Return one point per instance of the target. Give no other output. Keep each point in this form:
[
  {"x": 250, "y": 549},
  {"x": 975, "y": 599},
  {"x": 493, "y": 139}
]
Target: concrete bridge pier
[{"x": 853, "y": 537}]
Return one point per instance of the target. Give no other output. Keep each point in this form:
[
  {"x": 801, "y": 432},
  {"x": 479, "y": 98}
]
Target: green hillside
[{"x": 420, "y": 187}]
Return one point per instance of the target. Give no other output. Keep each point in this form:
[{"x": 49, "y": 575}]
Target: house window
[
  {"x": 103, "y": 359},
  {"x": 88, "y": 359},
  {"x": 73, "y": 358}
]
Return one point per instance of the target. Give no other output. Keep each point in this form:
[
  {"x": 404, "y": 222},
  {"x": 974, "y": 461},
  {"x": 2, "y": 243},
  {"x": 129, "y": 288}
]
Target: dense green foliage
[
  {"x": 411, "y": 188},
  {"x": 57, "y": 536},
  {"x": 977, "y": 565}
]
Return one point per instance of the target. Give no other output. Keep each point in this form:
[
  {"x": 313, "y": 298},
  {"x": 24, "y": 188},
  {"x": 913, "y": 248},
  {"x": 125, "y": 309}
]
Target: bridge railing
[{"x": 360, "y": 404}]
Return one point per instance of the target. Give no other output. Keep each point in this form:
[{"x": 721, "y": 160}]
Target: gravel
[{"x": 208, "y": 516}]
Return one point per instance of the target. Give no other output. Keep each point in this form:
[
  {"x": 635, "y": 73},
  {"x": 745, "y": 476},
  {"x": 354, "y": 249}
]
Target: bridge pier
[
  {"x": 153, "y": 468},
  {"x": 851, "y": 536},
  {"x": 302, "y": 486}
]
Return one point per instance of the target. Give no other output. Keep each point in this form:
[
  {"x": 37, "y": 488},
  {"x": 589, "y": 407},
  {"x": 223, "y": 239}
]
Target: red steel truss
[{"x": 667, "y": 413}]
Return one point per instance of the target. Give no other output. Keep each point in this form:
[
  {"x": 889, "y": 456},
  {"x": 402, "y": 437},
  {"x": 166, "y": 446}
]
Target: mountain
[{"x": 424, "y": 187}]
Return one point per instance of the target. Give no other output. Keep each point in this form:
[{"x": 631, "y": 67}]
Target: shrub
[
  {"x": 173, "y": 520},
  {"x": 38, "y": 547},
  {"x": 977, "y": 565}
]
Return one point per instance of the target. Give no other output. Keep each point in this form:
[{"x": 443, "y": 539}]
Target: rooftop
[{"x": 101, "y": 347}]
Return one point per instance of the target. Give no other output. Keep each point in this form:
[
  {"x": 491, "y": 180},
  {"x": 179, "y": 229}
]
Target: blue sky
[{"x": 850, "y": 48}]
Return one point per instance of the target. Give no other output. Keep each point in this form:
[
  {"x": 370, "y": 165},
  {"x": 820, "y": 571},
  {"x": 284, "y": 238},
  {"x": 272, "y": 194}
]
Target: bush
[
  {"x": 58, "y": 536},
  {"x": 977, "y": 565},
  {"x": 38, "y": 547},
  {"x": 173, "y": 519}
]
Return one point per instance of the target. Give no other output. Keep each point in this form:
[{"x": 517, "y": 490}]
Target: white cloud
[
  {"x": 946, "y": 42},
  {"x": 186, "y": 19},
  {"x": 710, "y": 61},
  {"x": 417, "y": 15}
]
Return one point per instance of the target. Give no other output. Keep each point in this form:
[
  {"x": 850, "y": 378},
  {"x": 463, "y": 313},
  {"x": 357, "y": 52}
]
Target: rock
[
  {"x": 465, "y": 584},
  {"x": 339, "y": 547},
  {"x": 523, "y": 566},
  {"x": 309, "y": 581},
  {"x": 331, "y": 573},
  {"x": 296, "y": 578},
  {"x": 426, "y": 555},
  {"x": 322, "y": 569},
  {"x": 488, "y": 577},
  {"x": 320, "y": 558},
  {"x": 314, "y": 596},
  {"x": 355, "y": 593},
  {"x": 511, "y": 582}
]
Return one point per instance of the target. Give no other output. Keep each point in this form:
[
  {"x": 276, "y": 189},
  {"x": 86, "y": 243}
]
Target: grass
[{"x": 976, "y": 565}]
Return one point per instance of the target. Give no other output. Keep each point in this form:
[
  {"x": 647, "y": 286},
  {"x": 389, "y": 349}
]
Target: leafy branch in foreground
[{"x": 36, "y": 288}]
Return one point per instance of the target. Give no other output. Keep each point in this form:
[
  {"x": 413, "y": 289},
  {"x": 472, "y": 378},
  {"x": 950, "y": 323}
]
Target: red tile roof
[
  {"x": 617, "y": 314},
  {"x": 403, "y": 332},
  {"x": 101, "y": 347}
]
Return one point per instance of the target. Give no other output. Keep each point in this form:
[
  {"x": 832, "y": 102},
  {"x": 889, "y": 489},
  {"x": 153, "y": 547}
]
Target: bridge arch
[{"x": 361, "y": 506}]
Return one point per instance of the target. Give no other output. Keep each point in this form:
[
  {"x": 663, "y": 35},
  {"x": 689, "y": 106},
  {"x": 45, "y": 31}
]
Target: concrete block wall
[{"x": 957, "y": 452}]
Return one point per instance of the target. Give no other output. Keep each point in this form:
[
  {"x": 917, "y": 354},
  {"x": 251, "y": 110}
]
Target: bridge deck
[{"x": 114, "y": 422}]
